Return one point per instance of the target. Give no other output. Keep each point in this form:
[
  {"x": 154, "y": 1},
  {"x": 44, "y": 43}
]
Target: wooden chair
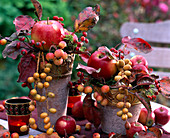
[{"x": 157, "y": 34}]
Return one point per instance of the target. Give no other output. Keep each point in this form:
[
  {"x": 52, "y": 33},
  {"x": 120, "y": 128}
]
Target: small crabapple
[
  {"x": 58, "y": 53},
  {"x": 62, "y": 44},
  {"x": 49, "y": 56},
  {"x": 58, "y": 61}
]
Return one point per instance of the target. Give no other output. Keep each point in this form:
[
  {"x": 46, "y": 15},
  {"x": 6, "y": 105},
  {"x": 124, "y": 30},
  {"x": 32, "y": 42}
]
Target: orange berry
[
  {"x": 124, "y": 117},
  {"x": 127, "y": 105},
  {"x": 47, "y": 126},
  {"x": 37, "y": 97},
  {"x": 43, "y": 115},
  {"x": 47, "y": 70},
  {"x": 3, "y": 41},
  {"x": 36, "y": 75},
  {"x": 23, "y": 128},
  {"x": 129, "y": 115},
  {"x": 40, "y": 85},
  {"x": 125, "y": 110},
  {"x": 31, "y": 121},
  {"x": 31, "y": 107},
  {"x": 43, "y": 75},
  {"x": 46, "y": 84},
  {"x": 42, "y": 99},
  {"x": 48, "y": 65},
  {"x": 46, "y": 120},
  {"x": 95, "y": 94},
  {"x": 33, "y": 92},
  {"x": 99, "y": 98},
  {"x": 119, "y": 113},
  {"x": 120, "y": 104},
  {"x": 30, "y": 80},
  {"x": 80, "y": 88},
  {"x": 34, "y": 126},
  {"x": 120, "y": 96},
  {"x": 105, "y": 88},
  {"x": 51, "y": 95},
  {"x": 88, "y": 89},
  {"x": 50, "y": 131},
  {"x": 104, "y": 102},
  {"x": 48, "y": 78},
  {"x": 52, "y": 110}
]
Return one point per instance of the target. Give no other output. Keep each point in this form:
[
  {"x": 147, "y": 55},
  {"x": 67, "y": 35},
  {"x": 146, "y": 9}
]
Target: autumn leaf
[
  {"x": 145, "y": 80},
  {"x": 137, "y": 43},
  {"x": 165, "y": 86},
  {"x": 88, "y": 69},
  {"x": 26, "y": 68},
  {"x": 87, "y": 19},
  {"x": 23, "y": 22},
  {"x": 12, "y": 52},
  {"x": 38, "y": 8}
]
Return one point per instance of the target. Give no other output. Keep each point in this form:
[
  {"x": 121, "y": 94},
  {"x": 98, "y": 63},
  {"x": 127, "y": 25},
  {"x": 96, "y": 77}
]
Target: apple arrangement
[
  {"x": 162, "y": 115},
  {"x": 139, "y": 60},
  {"x": 144, "y": 118},
  {"x": 65, "y": 125},
  {"x": 135, "y": 127}
]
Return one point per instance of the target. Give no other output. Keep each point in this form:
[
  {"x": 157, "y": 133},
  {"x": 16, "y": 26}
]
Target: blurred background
[{"x": 106, "y": 32}]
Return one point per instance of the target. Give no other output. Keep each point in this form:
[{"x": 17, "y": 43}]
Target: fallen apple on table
[
  {"x": 135, "y": 127},
  {"x": 65, "y": 125},
  {"x": 162, "y": 115}
]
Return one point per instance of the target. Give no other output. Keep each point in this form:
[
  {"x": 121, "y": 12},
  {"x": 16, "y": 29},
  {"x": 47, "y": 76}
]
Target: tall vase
[
  {"x": 59, "y": 86},
  {"x": 110, "y": 122}
]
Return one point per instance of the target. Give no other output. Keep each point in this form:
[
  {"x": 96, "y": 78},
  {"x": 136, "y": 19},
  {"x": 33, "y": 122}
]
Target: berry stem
[
  {"x": 38, "y": 61},
  {"x": 47, "y": 20}
]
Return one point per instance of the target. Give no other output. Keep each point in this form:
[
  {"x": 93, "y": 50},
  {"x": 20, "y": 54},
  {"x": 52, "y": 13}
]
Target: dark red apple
[
  {"x": 52, "y": 32},
  {"x": 162, "y": 115},
  {"x": 65, "y": 125},
  {"x": 135, "y": 127},
  {"x": 99, "y": 60},
  {"x": 139, "y": 59},
  {"x": 77, "y": 110},
  {"x": 2, "y": 108},
  {"x": 146, "y": 119}
]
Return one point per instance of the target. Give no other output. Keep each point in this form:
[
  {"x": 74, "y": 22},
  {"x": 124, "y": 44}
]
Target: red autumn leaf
[
  {"x": 11, "y": 50},
  {"x": 105, "y": 50},
  {"x": 38, "y": 8},
  {"x": 137, "y": 43},
  {"x": 165, "y": 86},
  {"x": 26, "y": 68},
  {"x": 87, "y": 19},
  {"x": 145, "y": 80},
  {"x": 88, "y": 69},
  {"x": 84, "y": 57},
  {"x": 23, "y": 22},
  {"x": 91, "y": 113}
]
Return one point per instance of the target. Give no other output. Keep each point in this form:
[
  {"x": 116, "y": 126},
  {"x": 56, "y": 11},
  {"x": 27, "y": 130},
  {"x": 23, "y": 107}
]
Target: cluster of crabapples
[
  {"x": 124, "y": 67},
  {"x": 42, "y": 81}
]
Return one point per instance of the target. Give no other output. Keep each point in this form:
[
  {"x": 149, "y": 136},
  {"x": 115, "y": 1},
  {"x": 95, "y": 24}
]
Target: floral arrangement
[
  {"x": 118, "y": 81},
  {"x": 47, "y": 50}
]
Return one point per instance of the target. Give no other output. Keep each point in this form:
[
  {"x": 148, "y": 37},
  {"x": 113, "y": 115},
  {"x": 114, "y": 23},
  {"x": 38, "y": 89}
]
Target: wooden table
[{"x": 35, "y": 132}]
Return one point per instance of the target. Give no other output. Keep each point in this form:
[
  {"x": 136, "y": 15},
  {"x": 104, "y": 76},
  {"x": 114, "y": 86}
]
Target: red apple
[
  {"x": 77, "y": 110},
  {"x": 51, "y": 31},
  {"x": 65, "y": 124},
  {"x": 2, "y": 108},
  {"x": 96, "y": 135},
  {"x": 146, "y": 119},
  {"x": 99, "y": 60},
  {"x": 162, "y": 115},
  {"x": 139, "y": 59},
  {"x": 135, "y": 127},
  {"x": 15, "y": 135},
  {"x": 6, "y": 135}
]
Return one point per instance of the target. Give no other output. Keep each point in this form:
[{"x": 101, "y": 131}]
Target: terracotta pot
[
  {"x": 110, "y": 122},
  {"x": 59, "y": 86}
]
